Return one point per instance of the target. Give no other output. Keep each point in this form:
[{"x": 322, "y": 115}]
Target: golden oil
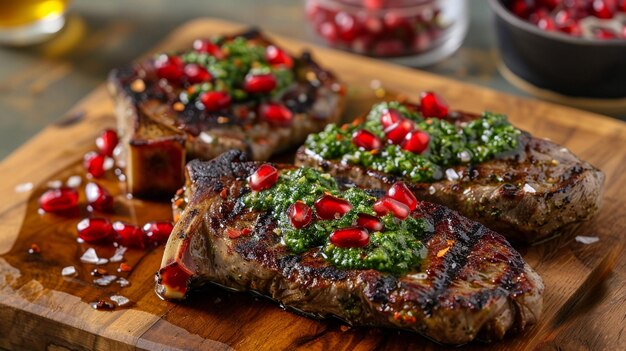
[{"x": 17, "y": 13}]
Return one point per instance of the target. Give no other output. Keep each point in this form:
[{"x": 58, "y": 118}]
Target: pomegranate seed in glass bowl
[{"x": 410, "y": 32}]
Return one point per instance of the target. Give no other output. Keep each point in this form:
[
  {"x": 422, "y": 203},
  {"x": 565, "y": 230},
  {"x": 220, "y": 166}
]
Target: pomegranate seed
[
  {"x": 233, "y": 233},
  {"x": 59, "y": 200},
  {"x": 246, "y": 231},
  {"x": 347, "y": 26},
  {"x": 520, "y": 8},
  {"x": 416, "y": 142},
  {"x": 299, "y": 214},
  {"x": 169, "y": 67},
  {"x": 550, "y": 4},
  {"x": 603, "y": 33},
  {"x": 278, "y": 57},
  {"x": 388, "y": 205},
  {"x": 94, "y": 164},
  {"x": 329, "y": 32},
  {"x": 350, "y": 237},
  {"x": 396, "y": 132},
  {"x": 259, "y": 83},
  {"x": 107, "y": 141},
  {"x": 621, "y": 6},
  {"x": 389, "y": 117},
  {"x": 400, "y": 192},
  {"x": 102, "y": 305},
  {"x": 330, "y": 207},
  {"x": 197, "y": 74},
  {"x": 215, "y": 100},
  {"x": 546, "y": 24},
  {"x": 365, "y": 139},
  {"x": 98, "y": 197},
  {"x": 433, "y": 105},
  {"x": 94, "y": 230},
  {"x": 125, "y": 267},
  {"x": 34, "y": 249},
  {"x": 158, "y": 232},
  {"x": 392, "y": 47},
  {"x": 602, "y": 9},
  {"x": 276, "y": 114},
  {"x": 571, "y": 28},
  {"x": 369, "y": 222},
  {"x": 128, "y": 235},
  {"x": 264, "y": 178},
  {"x": 208, "y": 47}
]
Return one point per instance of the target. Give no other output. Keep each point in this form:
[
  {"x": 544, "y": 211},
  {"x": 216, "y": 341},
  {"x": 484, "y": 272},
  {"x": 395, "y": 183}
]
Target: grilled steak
[
  {"x": 535, "y": 191},
  {"x": 236, "y": 92},
  {"x": 470, "y": 284}
]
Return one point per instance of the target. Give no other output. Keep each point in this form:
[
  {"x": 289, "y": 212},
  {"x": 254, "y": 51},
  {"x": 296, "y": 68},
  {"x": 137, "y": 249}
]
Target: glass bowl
[{"x": 410, "y": 32}]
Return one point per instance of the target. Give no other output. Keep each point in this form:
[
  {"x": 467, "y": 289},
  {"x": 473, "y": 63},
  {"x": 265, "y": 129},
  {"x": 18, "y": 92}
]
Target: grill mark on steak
[{"x": 479, "y": 286}]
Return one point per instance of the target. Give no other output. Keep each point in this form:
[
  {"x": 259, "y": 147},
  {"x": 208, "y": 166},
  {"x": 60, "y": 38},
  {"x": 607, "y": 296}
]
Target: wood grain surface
[{"x": 585, "y": 297}]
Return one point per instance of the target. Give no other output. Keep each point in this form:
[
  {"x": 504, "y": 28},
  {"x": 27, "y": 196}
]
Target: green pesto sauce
[
  {"x": 480, "y": 140},
  {"x": 397, "y": 249},
  {"x": 242, "y": 57}
]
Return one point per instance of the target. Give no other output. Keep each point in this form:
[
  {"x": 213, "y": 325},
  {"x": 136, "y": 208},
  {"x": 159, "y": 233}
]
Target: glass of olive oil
[{"x": 24, "y": 22}]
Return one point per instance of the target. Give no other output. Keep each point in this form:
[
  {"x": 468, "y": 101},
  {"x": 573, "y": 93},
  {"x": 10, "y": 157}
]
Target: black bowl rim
[{"x": 509, "y": 17}]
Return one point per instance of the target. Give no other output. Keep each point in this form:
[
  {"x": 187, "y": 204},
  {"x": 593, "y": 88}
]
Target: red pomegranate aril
[
  {"x": 347, "y": 26},
  {"x": 330, "y": 207},
  {"x": 416, "y": 142},
  {"x": 603, "y": 33},
  {"x": 603, "y": 9},
  {"x": 215, "y": 100},
  {"x": 107, "y": 141},
  {"x": 299, "y": 214},
  {"x": 93, "y": 230},
  {"x": 169, "y": 67},
  {"x": 277, "y": 57},
  {"x": 396, "y": 132},
  {"x": 571, "y": 28},
  {"x": 369, "y": 222},
  {"x": 399, "y": 191},
  {"x": 158, "y": 232},
  {"x": 389, "y": 117},
  {"x": 433, "y": 105},
  {"x": 128, "y": 235},
  {"x": 98, "y": 197},
  {"x": 520, "y": 8},
  {"x": 208, "y": 47},
  {"x": 94, "y": 164},
  {"x": 388, "y": 205},
  {"x": 350, "y": 237},
  {"x": 59, "y": 200},
  {"x": 259, "y": 83},
  {"x": 197, "y": 74},
  {"x": 366, "y": 139},
  {"x": 263, "y": 178},
  {"x": 276, "y": 114}
]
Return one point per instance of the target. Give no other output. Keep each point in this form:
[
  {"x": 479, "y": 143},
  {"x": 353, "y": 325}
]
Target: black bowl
[{"x": 573, "y": 66}]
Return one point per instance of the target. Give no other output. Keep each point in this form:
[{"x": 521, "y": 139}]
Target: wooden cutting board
[{"x": 585, "y": 303}]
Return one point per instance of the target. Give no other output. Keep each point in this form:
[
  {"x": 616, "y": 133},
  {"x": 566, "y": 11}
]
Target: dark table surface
[{"x": 39, "y": 84}]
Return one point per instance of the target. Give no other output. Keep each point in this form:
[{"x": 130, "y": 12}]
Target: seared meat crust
[{"x": 472, "y": 284}]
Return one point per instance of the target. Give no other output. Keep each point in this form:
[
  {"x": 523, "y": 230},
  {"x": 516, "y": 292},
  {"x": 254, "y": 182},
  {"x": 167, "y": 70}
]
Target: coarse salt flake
[
  {"x": 74, "y": 181},
  {"x": 105, "y": 280},
  {"x": 587, "y": 239},
  {"x": 529, "y": 189},
  {"x": 68, "y": 271},
  {"x": 24, "y": 187},
  {"x": 120, "y": 300},
  {"x": 90, "y": 256},
  {"x": 451, "y": 174}
]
